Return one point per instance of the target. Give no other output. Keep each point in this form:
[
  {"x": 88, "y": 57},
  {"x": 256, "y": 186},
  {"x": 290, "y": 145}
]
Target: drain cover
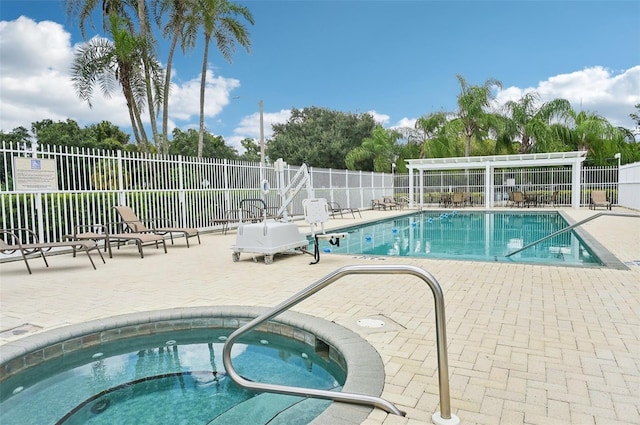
[
  {"x": 370, "y": 323},
  {"x": 19, "y": 330}
]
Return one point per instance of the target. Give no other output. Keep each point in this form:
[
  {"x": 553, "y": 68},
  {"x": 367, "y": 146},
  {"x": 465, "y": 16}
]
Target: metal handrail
[
  {"x": 443, "y": 368},
  {"x": 566, "y": 229}
]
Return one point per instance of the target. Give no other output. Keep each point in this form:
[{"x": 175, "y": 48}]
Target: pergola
[{"x": 490, "y": 163}]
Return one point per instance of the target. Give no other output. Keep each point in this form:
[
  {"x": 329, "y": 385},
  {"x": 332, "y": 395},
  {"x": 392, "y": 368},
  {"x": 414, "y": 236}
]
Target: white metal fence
[
  {"x": 194, "y": 192},
  {"x": 629, "y": 191},
  {"x": 188, "y": 191},
  {"x": 543, "y": 181}
]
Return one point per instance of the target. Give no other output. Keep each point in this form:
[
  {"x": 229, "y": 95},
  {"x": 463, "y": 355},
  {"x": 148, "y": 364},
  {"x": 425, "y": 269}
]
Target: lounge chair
[
  {"x": 335, "y": 209},
  {"x": 135, "y": 225},
  {"x": 377, "y": 203},
  {"x": 96, "y": 232},
  {"x": 599, "y": 198},
  {"x": 15, "y": 244}
]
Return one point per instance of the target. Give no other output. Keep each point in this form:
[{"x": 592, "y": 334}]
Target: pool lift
[{"x": 272, "y": 236}]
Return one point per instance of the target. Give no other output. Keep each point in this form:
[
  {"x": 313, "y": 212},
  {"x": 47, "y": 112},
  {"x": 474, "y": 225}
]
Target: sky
[{"x": 397, "y": 60}]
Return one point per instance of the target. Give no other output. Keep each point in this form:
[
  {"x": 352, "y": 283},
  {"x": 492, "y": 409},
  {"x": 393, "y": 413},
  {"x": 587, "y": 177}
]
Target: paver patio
[{"x": 527, "y": 344}]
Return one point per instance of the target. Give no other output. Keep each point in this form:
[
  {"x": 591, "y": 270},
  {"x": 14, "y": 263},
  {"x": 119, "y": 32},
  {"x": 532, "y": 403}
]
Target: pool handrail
[
  {"x": 566, "y": 229},
  {"x": 442, "y": 417}
]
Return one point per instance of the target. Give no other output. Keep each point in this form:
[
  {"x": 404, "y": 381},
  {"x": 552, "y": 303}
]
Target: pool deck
[{"x": 527, "y": 344}]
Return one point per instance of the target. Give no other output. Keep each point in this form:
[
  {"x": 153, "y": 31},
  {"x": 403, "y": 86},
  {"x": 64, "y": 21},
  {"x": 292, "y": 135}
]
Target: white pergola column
[
  {"x": 575, "y": 184},
  {"x": 488, "y": 186},
  {"x": 411, "y": 201}
]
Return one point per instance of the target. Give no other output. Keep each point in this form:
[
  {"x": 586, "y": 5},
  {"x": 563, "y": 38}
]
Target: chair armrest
[{"x": 96, "y": 228}]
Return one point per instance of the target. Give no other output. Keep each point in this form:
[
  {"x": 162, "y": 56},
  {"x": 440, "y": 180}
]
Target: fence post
[
  {"x": 121, "y": 197},
  {"x": 181, "y": 192},
  {"x": 38, "y": 199},
  {"x": 227, "y": 198}
]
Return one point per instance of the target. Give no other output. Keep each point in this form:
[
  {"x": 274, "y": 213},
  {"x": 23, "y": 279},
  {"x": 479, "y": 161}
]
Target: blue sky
[{"x": 395, "y": 59}]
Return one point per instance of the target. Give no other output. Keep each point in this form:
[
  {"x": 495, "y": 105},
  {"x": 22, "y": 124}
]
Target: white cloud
[
  {"x": 249, "y": 127},
  {"x": 405, "y": 123},
  {"x": 597, "y": 89},
  {"x": 35, "y": 63},
  {"x": 379, "y": 118},
  {"x": 184, "y": 102}
]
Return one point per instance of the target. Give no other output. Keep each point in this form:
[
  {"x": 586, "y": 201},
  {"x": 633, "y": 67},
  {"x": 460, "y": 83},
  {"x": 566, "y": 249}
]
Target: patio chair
[
  {"x": 599, "y": 198},
  {"x": 518, "y": 199},
  {"x": 135, "y": 225},
  {"x": 457, "y": 199},
  {"x": 235, "y": 217},
  {"x": 467, "y": 199},
  {"x": 96, "y": 232},
  {"x": 335, "y": 209},
  {"x": 15, "y": 244},
  {"x": 446, "y": 200}
]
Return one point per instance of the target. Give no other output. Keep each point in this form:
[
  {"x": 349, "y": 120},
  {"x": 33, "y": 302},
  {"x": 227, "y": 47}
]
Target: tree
[
  {"x": 106, "y": 135},
  {"x": 251, "y": 150},
  {"x": 218, "y": 21},
  {"x": 186, "y": 143},
  {"x": 376, "y": 153},
  {"x": 104, "y": 63},
  {"x": 319, "y": 136},
  {"x": 530, "y": 125},
  {"x": 120, "y": 18},
  {"x": 591, "y": 132},
  {"x": 472, "y": 104},
  {"x": 17, "y": 135},
  {"x": 182, "y": 27},
  {"x": 436, "y": 136},
  {"x": 59, "y": 133}
]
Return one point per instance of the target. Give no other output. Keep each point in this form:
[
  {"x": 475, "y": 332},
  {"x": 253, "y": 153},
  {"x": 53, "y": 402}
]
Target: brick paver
[{"x": 527, "y": 344}]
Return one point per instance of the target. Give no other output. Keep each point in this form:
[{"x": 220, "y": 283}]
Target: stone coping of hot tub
[{"x": 364, "y": 367}]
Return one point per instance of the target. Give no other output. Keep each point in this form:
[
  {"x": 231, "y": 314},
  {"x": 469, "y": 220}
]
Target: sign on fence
[{"x": 35, "y": 174}]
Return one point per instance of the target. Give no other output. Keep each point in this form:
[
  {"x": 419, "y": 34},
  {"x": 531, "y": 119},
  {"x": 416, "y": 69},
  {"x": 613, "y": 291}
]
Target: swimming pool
[
  {"x": 162, "y": 371},
  {"x": 469, "y": 235}
]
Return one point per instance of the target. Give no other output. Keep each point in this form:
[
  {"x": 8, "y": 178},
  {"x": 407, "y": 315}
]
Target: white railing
[{"x": 188, "y": 191}]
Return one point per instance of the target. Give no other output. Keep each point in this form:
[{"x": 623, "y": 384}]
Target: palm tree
[
  {"x": 128, "y": 13},
  {"x": 380, "y": 150},
  {"x": 587, "y": 131},
  {"x": 218, "y": 20},
  {"x": 428, "y": 130},
  {"x": 530, "y": 125},
  {"x": 182, "y": 27},
  {"x": 472, "y": 104},
  {"x": 108, "y": 64}
]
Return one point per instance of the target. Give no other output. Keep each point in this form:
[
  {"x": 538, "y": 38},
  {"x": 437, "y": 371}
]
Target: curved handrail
[
  {"x": 443, "y": 372},
  {"x": 566, "y": 229}
]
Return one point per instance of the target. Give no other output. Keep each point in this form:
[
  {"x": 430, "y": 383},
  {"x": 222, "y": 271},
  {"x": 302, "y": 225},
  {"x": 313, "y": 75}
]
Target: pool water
[
  {"x": 170, "y": 378},
  {"x": 479, "y": 236}
]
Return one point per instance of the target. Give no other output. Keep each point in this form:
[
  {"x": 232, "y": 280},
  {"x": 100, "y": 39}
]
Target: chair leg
[
  {"x": 43, "y": 257},
  {"x": 24, "y": 257},
  {"x": 90, "y": 259}
]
